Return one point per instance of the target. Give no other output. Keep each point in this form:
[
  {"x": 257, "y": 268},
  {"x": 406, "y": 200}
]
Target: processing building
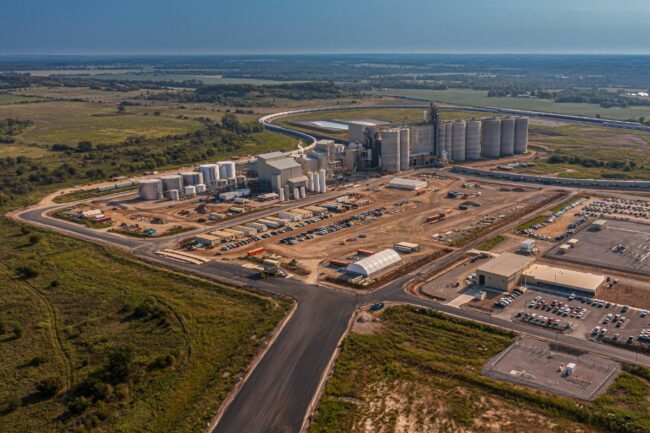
[{"x": 276, "y": 172}]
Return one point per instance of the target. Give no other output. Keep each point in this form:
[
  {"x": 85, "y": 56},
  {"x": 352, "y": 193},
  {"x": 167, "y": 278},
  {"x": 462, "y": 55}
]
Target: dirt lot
[{"x": 404, "y": 220}]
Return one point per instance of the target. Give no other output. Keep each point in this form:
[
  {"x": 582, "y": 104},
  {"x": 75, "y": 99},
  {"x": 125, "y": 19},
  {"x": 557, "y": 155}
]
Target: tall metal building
[{"x": 390, "y": 150}]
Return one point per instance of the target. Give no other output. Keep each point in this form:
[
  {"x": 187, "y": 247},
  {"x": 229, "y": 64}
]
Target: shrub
[{"x": 49, "y": 387}]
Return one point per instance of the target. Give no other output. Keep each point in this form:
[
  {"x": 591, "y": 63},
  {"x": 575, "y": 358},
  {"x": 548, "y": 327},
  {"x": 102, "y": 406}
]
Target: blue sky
[{"x": 332, "y": 26}]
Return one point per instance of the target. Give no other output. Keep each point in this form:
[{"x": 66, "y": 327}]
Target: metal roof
[
  {"x": 284, "y": 163},
  {"x": 270, "y": 155},
  {"x": 375, "y": 263},
  {"x": 506, "y": 264},
  {"x": 564, "y": 277}
]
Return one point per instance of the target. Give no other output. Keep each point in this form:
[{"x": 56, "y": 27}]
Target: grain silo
[
  {"x": 323, "y": 183},
  {"x": 226, "y": 169},
  {"x": 507, "y": 136},
  {"x": 491, "y": 138},
  {"x": 172, "y": 181},
  {"x": 521, "y": 135},
  {"x": 151, "y": 189},
  {"x": 404, "y": 148},
  {"x": 310, "y": 181},
  {"x": 473, "y": 140},
  {"x": 440, "y": 142},
  {"x": 190, "y": 190},
  {"x": 192, "y": 177},
  {"x": 316, "y": 182},
  {"x": 390, "y": 152},
  {"x": 448, "y": 132},
  {"x": 458, "y": 141},
  {"x": 210, "y": 173},
  {"x": 303, "y": 192}
]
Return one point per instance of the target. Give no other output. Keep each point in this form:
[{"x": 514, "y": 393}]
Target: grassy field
[
  {"x": 491, "y": 243},
  {"x": 90, "y": 193},
  {"x": 71, "y": 122},
  {"x": 180, "y": 77},
  {"x": 6, "y": 98},
  {"x": 480, "y": 98},
  {"x": 418, "y": 372},
  {"x": 128, "y": 347}
]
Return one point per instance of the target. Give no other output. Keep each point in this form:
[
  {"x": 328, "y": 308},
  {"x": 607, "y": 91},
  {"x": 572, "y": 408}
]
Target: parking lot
[
  {"x": 582, "y": 317},
  {"x": 560, "y": 224},
  {"x": 554, "y": 369},
  {"x": 621, "y": 245}
]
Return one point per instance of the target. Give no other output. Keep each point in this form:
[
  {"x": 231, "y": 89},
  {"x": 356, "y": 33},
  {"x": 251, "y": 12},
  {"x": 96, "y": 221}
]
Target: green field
[
  {"x": 491, "y": 243},
  {"x": 421, "y": 371},
  {"x": 6, "y": 98},
  {"x": 180, "y": 77},
  {"x": 71, "y": 122},
  {"x": 128, "y": 347},
  {"x": 480, "y": 98}
]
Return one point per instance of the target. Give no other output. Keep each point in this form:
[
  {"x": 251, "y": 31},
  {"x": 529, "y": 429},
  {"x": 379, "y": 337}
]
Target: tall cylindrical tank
[
  {"x": 316, "y": 182},
  {"x": 448, "y": 135},
  {"x": 172, "y": 181},
  {"x": 458, "y": 141},
  {"x": 151, "y": 189},
  {"x": 226, "y": 169},
  {"x": 390, "y": 151},
  {"x": 473, "y": 140},
  {"x": 200, "y": 188},
  {"x": 440, "y": 142},
  {"x": 190, "y": 190},
  {"x": 174, "y": 194},
  {"x": 404, "y": 148},
  {"x": 281, "y": 194},
  {"x": 192, "y": 177},
  {"x": 521, "y": 135},
  {"x": 507, "y": 136},
  {"x": 296, "y": 193},
  {"x": 303, "y": 192},
  {"x": 491, "y": 138},
  {"x": 310, "y": 181},
  {"x": 323, "y": 184},
  {"x": 210, "y": 173}
]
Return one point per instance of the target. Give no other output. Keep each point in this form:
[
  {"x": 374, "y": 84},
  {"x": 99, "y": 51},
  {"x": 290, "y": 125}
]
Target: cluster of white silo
[{"x": 316, "y": 182}]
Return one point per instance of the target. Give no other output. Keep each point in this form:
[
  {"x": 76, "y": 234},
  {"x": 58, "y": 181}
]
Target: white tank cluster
[{"x": 316, "y": 182}]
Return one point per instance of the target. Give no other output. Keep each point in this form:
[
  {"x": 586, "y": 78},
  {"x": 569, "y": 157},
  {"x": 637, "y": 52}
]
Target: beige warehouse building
[{"x": 503, "y": 272}]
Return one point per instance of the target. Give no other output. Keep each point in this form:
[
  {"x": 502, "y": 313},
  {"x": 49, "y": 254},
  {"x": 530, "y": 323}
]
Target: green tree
[
  {"x": 49, "y": 387},
  {"x": 84, "y": 146}
]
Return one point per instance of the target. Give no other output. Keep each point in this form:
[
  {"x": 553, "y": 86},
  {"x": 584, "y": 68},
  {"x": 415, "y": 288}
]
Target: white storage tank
[
  {"x": 210, "y": 173},
  {"x": 303, "y": 192},
  {"x": 200, "y": 188},
  {"x": 192, "y": 177},
  {"x": 473, "y": 140},
  {"x": 448, "y": 132},
  {"x": 440, "y": 142},
  {"x": 404, "y": 148},
  {"x": 491, "y": 138},
  {"x": 458, "y": 141},
  {"x": 282, "y": 198},
  {"x": 151, "y": 189},
  {"x": 521, "y": 135},
  {"x": 172, "y": 181},
  {"x": 190, "y": 190},
  {"x": 390, "y": 151},
  {"x": 323, "y": 183},
  {"x": 507, "y": 136},
  {"x": 310, "y": 181},
  {"x": 227, "y": 169},
  {"x": 296, "y": 193},
  {"x": 316, "y": 182},
  {"x": 174, "y": 194}
]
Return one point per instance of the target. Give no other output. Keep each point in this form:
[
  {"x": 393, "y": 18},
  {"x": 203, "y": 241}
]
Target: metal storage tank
[
  {"x": 210, "y": 173},
  {"x": 296, "y": 193},
  {"x": 473, "y": 140},
  {"x": 226, "y": 169},
  {"x": 440, "y": 142},
  {"x": 303, "y": 192},
  {"x": 172, "y": 181},
  {"x": 310, "y": 181},
  {"x": 390, "y": 152},
  {"x": 192, "y": 177},
  {"x": 151, "y": 189},
  {"x": 491, "y": 138},
  {"x": 404, "y": 148},
  {"x": 281, "y": 194},
  {"x": 507, "y": 136},
  {"x": 200, "y": 188},
  {"x": 174, "y": 194},
  {"x": 316, "y": 182},
  {"x": 323, "y": 184},
  {"x": 190, "y": 190},
  {"x": 458, "y": 141},
  {"x": 521, "y": 135},
  {"x": 448, "y": 138}
]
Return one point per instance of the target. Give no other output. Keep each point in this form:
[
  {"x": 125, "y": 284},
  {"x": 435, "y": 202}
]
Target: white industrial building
[
  {"x": 372, "y": 265},
  {"x": 407, "y": 184}
]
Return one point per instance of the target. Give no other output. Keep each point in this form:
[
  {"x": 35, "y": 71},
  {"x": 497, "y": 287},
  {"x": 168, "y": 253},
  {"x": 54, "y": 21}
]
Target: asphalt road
[{"x": 276, "y": 396}]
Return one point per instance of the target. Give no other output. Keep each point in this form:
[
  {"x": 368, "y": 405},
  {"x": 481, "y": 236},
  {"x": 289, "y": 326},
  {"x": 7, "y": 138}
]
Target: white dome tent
[{"x": 375, "y": 263}]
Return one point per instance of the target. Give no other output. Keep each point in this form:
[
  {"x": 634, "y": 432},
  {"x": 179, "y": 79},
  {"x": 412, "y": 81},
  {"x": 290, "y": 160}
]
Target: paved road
[{"x": 276, "y": 396}]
